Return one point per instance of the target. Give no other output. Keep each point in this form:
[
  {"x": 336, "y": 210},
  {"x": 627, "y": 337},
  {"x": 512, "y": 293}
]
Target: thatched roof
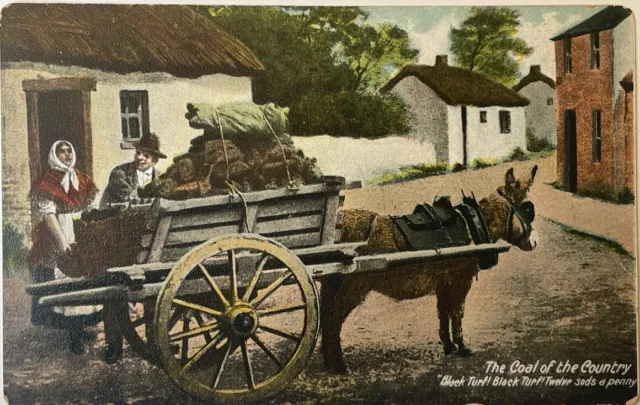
[
  {"x": 535, "y": 75},
  {"x": 457, "y": 86},
  {"x": 604, "y": 19},
  {"x": 123, "y": 39}
]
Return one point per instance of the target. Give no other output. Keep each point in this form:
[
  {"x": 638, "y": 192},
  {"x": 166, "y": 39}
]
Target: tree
[
  {"x": 325, "y": 64},
  {"x": 486, "y": 43},
  {"x": 374, "y": 53}
]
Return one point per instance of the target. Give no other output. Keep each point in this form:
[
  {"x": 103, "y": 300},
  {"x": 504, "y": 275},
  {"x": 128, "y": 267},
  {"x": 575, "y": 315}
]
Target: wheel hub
[{"x": 243, "y": 321}]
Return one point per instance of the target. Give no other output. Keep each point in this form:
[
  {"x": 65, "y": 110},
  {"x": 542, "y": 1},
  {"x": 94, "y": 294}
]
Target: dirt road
[{"x": 569, "y": 300}]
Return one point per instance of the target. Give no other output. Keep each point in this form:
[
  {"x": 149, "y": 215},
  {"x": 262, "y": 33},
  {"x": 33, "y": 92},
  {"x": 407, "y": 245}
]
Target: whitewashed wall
[
  {"x": 454, "y": 119},
  {"x": 168, "y": 97},
  {"x": 360, "y": 159},
  {"x": 429, "y": 123},
  {"x": 486, "y": 141},
  {"x": 540, "y": 116}
]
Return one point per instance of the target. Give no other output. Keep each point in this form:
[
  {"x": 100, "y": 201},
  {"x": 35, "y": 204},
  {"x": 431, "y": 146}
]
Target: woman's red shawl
[{"x": 49, "y": 188}]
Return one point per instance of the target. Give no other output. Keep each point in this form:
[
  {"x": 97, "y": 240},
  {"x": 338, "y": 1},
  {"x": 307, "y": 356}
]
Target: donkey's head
[{"x": 510, "y": 214}]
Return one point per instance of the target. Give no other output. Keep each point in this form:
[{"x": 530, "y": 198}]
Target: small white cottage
[
  {"x": 464, "y": 115},
  {"x": 540, "y": 114},
  {"x": 100, "y": 76}
]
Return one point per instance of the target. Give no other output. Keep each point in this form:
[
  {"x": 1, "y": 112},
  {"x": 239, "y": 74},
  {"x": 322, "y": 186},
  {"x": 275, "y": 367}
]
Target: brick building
[{"x": 594, "y": 93}]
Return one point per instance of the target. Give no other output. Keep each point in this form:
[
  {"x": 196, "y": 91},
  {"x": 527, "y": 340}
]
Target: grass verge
[
  {"x": 420, "y": 171},
  {"x": 610, "y": 244}
]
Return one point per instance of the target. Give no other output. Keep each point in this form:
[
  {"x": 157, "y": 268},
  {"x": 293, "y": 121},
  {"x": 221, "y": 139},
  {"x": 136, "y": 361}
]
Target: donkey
[{"x": 450, "y": 279}]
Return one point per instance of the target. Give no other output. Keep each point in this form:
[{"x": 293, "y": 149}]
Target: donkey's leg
[
  {"x": 460, "y": 289},
  {"x": 338, "y": 297},
  {"x": 443, "y": 296}
]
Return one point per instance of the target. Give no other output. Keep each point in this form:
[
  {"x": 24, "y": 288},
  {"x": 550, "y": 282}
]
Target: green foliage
[
  {"x": 430, "y": 169},
  {"x": 14, "y": 252},
  {"x": 518, "y": 155},
  {"x": 535, "y": 144},
  {"x": 481, "y": 163},
  {"x": 325, "y": 63},
  {"x": 486, "y": 43},
  {"x": 605, "y": 192},
  {"x": 411, "y": 172}
]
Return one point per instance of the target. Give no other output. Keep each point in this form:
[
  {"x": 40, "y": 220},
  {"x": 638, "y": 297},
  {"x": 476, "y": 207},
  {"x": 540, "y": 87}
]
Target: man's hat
[{"x": 150, "y": 143}]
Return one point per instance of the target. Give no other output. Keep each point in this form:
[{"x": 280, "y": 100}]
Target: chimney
[
  {"x": 534, "y": 69},
  {"x": 441, "y": 60}
]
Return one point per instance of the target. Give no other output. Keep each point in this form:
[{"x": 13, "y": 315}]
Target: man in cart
[{"x": 127, "y": 178}]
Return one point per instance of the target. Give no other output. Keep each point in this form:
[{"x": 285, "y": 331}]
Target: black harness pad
[
  {"x": 478, "y": 228},
  {"x": 433, "y": 226}
]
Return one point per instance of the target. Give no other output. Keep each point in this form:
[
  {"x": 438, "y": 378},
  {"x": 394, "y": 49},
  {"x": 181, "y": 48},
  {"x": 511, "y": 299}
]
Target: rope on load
[
  {"x": 291, "y": 185},
  {"x": 232, "y": 189}
]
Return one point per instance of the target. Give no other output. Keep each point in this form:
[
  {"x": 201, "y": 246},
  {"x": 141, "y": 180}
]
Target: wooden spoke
[
  {"x": 247, "y": 366},
  {"x": 269, "y": 353},
  {"x": 228, "y": 352},
  {"x": 185, "y": 340},
  {"x": 243, "y": 275},
  {"x": 206, "y": 329},
  {"x": 280, "y": 333},
  {"x": 200, "y": 321},
  {"x": 175, "y": 317},
  {"x": 256, "y": 276},
  {"x": 234, "y": 275},
  {"x": 196, "y": 357},
  {"x": 197, "y": 307},
  {"x": 272, "y": 288},
  {"x": 281, "y": 309},
  {"x": 213, "y": 285}
]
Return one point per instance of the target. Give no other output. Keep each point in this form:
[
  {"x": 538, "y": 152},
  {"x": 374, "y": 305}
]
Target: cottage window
[
  {"x": 567, "y": 55},
  {"x": 550, "y": 101},
  {"x": 483, "y": 116},
  {"x": 595, "y": 50},
  {"x": 134, "y": 114},
  {"x": 505, "y": 121},
  {"x": 596, "y": 135}
]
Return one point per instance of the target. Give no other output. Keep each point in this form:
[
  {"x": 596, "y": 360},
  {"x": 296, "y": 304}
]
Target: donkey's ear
[
  {"x": 502, "y": 191},
  {"x": 509, "y": 178},
  {"x": 533, "y": 175}
]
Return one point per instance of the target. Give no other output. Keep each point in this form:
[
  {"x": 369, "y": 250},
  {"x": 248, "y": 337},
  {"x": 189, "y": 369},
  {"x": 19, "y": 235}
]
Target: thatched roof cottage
[
  {"x": 102, "y": 75},
  {"x": 464, "y": 115}
]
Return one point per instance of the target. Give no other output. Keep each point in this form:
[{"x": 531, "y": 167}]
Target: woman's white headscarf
[{"x": 70, "y": 176}]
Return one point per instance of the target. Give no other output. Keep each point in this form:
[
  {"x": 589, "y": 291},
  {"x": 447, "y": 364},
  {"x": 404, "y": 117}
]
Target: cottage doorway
[
  {"x": 59, "y": 109},
  {"x": 571, "y": 151},
  {"x": 60, "y": 117}
]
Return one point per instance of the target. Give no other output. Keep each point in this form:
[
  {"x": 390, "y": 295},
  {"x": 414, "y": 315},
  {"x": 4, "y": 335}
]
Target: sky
[{"x": 429, "y": 26}]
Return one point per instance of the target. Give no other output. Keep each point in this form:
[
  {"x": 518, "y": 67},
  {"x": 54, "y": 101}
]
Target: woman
[{"x": 62, "y": 193}]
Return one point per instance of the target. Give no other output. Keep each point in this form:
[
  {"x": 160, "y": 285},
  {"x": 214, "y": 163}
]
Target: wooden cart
[{"x": 227, "y": 286}]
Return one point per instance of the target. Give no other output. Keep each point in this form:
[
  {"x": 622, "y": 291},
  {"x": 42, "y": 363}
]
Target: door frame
[{"x": 32, "y": 89}]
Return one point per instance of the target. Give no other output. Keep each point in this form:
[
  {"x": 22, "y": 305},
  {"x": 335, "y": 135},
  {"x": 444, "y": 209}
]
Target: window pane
[
  {"x": 134, "y": 128},
  {"x": 596, "y": 135},
  {"x": 595, "y": 50},
  {"x": 134, "y": 110},
  {"x": 567, "y": 55},
  {"x": 125, "y": 131}
]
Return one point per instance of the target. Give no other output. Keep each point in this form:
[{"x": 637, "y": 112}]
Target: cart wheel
[
  {"x": 249, "y": 319},
  {"x": 134, "y": 321}
]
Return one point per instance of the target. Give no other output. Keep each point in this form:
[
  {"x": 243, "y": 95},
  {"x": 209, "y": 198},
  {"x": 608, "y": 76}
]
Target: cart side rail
[
  {"x": 297, "y": 218},
  {"x": 359, "y": 265}
]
